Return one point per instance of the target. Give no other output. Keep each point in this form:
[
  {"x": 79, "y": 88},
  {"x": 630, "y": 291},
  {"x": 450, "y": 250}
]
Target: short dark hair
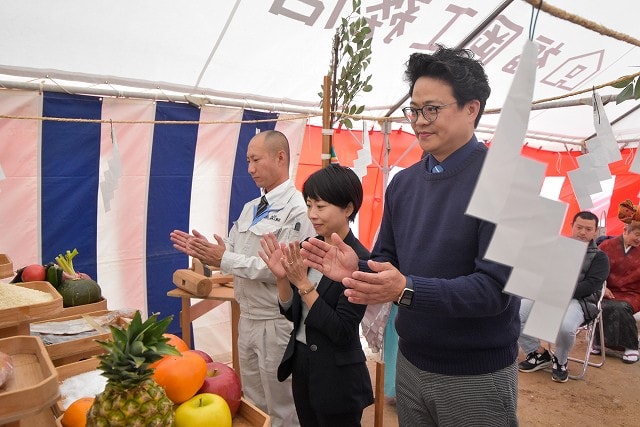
[
  {"x": 586, "y": 215},
  {"x": 337, "y": 185},
  {"x": 276, "y": 141},
  {"x": 458, "y": 68}
]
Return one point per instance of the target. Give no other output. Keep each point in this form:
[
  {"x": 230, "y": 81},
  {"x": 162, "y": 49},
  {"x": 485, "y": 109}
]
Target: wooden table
[{"x": 189, "y": 313}]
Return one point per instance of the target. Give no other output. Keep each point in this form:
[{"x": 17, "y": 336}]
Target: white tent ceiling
[{"x": 273, "y": 54}]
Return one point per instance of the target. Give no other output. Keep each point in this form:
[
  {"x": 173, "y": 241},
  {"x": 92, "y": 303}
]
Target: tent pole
[
  {"x": 196, "y": 100},
  {"x": 386, "y": 131},
  {"x": 326, "y": 122}
]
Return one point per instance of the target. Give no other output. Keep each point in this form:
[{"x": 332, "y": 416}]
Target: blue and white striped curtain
[{"x": 180, "y": 176}]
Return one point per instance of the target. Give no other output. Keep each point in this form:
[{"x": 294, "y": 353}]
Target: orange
[
  {"x": 181, "y": 376},
  {"x": 175, "y": 341},
  {"x": 76, "y": 413}
]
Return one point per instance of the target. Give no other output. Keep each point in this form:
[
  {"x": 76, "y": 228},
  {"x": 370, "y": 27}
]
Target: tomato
[{"x": 34, "y": 272}]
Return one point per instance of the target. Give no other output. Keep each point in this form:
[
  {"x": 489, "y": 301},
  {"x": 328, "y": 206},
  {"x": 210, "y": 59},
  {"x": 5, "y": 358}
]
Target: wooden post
[
  {"x": 326, "y": 121},
  {"x": 378, "y": 414}
]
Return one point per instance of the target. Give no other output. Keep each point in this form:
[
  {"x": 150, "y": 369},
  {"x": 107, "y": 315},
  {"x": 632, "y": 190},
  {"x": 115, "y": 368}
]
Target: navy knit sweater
[{"x": 460, "y": 322}]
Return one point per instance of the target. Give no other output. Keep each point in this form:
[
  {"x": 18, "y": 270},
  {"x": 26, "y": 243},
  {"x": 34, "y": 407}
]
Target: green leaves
[
  {"x": 133, "y": 348},
  {"x": 630, "y": 89},
  {"x": 351, "y": 56}
]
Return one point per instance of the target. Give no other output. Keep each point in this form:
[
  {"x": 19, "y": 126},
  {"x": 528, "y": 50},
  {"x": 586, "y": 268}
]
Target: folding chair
[{"x": 591, "y": 328}]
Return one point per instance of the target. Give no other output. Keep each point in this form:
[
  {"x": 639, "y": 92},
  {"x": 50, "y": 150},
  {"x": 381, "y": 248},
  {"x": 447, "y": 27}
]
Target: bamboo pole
[{"x": 326, "y": 122}]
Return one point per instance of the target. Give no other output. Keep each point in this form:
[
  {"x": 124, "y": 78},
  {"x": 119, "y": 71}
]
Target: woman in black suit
[{"x": 330, "y": 379}]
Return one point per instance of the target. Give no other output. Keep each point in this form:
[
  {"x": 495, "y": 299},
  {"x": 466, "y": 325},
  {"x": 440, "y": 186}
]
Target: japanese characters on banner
[{"x": 393, "y": 22}]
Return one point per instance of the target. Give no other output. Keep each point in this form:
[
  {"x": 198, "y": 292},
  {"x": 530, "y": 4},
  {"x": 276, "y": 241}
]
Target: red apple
[
  {"x": 204, "y": 355},
  {"x": 205, "y": 409},
  {"x": 223, "y": 381},
  {"x": 34, "y": 272}
]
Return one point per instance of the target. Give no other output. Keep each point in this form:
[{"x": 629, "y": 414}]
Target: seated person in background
[
  {"x": 582, "y": 306},
  {"x": 622, "y": 296},
  {"x": 331, "y": 382}
]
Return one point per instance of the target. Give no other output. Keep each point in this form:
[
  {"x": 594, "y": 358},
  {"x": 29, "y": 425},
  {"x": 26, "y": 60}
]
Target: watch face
[{"x": 406, "y": 297}]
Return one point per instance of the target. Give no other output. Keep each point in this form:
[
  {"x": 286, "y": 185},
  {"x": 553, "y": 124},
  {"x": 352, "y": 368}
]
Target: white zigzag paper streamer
[
  {"x": 112, "y": 173},
  {"x": 594, "y": 165},
  {"x": 545, "y": 264},
  {"x": 363, "y": 158},
  {"x": 2, "y": 176},
  {"x": 635, "y": 164}
]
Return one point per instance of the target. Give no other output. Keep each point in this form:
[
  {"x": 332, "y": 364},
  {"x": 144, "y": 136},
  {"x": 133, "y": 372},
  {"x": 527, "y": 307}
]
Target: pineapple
[{"x": 131, "y": 397}]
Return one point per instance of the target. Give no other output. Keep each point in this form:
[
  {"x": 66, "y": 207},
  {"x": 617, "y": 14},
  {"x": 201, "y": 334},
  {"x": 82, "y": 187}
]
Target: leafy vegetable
[{"x": 65, "y": 262}]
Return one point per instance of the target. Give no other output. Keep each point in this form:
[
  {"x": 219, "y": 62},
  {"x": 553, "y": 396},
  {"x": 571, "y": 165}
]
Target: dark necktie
[
  {"x": 262, "y": 206},
  {"x": 437, "y": 169}
]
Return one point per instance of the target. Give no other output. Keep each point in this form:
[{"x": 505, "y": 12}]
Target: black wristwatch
[{"x": 406, "y": 297}]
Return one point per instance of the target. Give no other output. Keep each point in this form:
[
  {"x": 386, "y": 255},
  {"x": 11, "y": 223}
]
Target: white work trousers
[{"x": 261, "y": 344}]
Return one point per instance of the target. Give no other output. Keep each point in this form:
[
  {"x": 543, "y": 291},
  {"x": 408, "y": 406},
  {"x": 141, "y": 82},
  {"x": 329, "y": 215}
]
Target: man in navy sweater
[{"x": 458, "y": 331}]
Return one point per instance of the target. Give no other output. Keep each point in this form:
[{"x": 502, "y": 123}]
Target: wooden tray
[
  {"x": 79, "y": 309},
  {"x": 34, "y": 384},
  {"x": 71, "y": 370},
  {"x": 80, "y": 348},
  {"x": 6, "y": 266},
  {"x": 248, "y": 415},
  {"x": 15, "y": 320},
  {"x": 44, "y": 418}
]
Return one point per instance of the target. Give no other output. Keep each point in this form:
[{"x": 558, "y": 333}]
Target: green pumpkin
[{"x": 79, "y": 292}]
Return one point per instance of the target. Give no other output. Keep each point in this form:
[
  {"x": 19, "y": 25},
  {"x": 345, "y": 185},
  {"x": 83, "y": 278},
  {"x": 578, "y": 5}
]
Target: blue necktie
[
  {"x": 262, "y": 206},
  {"x": 437, "y": 169}
]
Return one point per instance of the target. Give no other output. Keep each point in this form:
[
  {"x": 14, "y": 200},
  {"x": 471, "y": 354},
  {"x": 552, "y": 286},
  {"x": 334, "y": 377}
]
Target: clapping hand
[
  {"x": 272, "y": 255},
  {"x": 336, "y": 261},
  {"x": 198, "y": 246},
  {"x": 283, "y": 259}
]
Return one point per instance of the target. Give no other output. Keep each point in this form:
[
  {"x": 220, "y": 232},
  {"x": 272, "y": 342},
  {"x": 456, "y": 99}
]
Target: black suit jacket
[{"x": 338, "y": 375}]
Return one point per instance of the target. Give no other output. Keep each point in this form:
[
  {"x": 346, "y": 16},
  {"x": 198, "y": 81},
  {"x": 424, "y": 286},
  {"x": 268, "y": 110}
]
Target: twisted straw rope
[{"x": 578, "y": 20}]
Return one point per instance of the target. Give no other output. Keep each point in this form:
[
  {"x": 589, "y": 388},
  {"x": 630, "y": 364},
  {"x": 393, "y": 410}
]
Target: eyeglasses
[{"x": 429, "y": 112}]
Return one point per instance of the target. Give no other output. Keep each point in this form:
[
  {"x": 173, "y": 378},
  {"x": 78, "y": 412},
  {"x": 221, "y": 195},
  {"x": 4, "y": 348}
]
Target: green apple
[{"x": 204, "y": 409}]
